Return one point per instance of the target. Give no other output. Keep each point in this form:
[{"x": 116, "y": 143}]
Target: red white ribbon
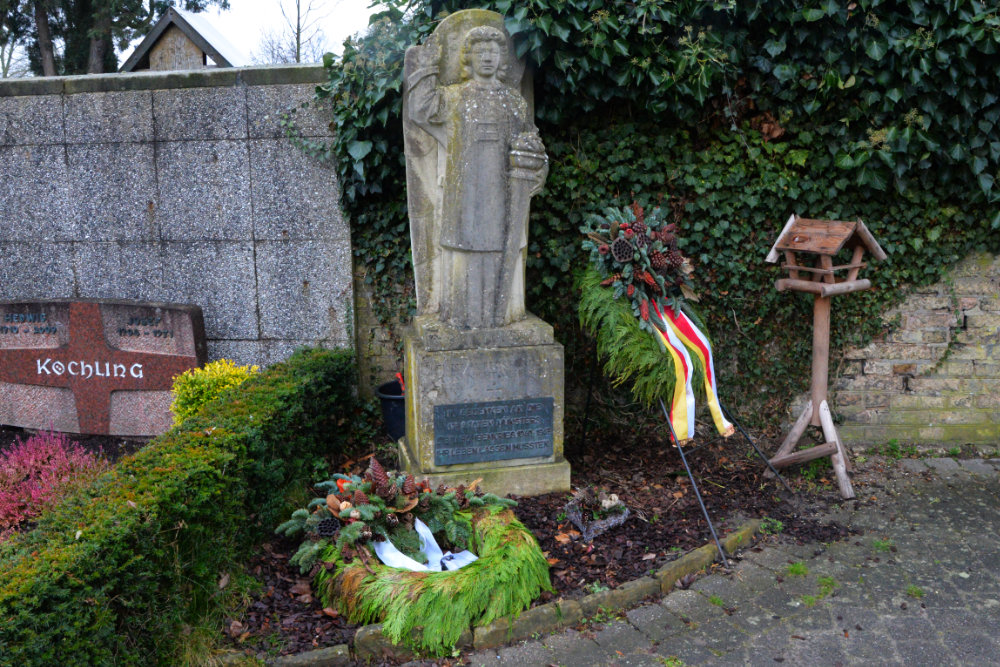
[{"x": 681, "y": 329}]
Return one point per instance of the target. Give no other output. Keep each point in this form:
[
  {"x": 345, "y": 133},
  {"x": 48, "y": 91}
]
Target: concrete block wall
[
  {"x": 178, "y": 187},
  {"x": 935, "y": 379}
]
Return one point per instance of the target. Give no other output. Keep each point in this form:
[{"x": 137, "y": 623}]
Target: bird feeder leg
[
  {"x": 821, "y": 354},
  {"x": 839, "y": 458}
]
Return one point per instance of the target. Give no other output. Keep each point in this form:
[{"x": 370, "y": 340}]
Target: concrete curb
[{"x": 370, "y": 644}]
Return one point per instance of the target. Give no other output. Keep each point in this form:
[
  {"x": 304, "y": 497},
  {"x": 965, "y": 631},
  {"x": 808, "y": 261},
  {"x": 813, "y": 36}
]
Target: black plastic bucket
[{"x": 393, "y": 409}]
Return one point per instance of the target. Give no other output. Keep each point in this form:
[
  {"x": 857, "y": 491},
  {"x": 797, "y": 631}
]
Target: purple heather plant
[{"x": 36, "y": 473}]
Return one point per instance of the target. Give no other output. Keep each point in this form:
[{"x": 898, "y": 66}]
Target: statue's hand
[
  {"x": 429, "y": 55},
  {"x": 529, "y": 142}
]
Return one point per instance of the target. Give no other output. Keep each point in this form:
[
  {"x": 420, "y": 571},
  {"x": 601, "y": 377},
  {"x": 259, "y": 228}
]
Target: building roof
[{"x": 197, "y": 28}]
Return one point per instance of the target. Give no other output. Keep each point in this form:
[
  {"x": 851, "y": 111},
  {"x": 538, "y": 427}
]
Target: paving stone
[
  {"x": 690, "y": 605},
  {"x": 639, "y": 659},
  {"x": 718, "y": 636},
  {"x": 654, "y": 622},
  {"x": 943, "y": 465},
  {"x": 977, "y": 466},
  {"x": 527, "y": 654},
  {"x": 620, "y": 636},
  {"x": 753, "y": 619},
  {"x": 913, "y": 465},
  {"x": 924, "y": 652},
  {"x": 771, "y": 558},
  {"x": 688, "y": 653}
]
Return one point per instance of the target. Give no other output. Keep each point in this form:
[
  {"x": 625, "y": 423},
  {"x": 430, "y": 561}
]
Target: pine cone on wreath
[
  {"x": 622, "y": 250},
  {"x": 367, "y": 534},
  {"x": 378, "y": 473},
  {"x": 391, "y": 520},
  {"x": 359, "y": 498},
  {"x": 674, "y": 257},
  {"x": 639, "y": 226},
  {"x": 409, "y": 485},
  {"x": 657, "y": 260}
]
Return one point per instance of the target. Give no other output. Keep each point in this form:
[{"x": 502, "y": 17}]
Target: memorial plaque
[
  {"x": 95, "y": 366},
  {"x": 493, "y": 431}
]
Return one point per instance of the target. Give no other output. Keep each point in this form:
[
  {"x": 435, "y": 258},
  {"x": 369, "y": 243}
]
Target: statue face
[{"x": 485, "y": 59}]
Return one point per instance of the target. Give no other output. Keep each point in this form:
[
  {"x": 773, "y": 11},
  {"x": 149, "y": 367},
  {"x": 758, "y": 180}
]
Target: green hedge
[{"x": 112, "y": 574}]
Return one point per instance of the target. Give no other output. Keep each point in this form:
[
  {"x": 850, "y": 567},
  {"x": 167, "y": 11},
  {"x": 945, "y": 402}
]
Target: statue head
[{"x": 484, "y": 54}]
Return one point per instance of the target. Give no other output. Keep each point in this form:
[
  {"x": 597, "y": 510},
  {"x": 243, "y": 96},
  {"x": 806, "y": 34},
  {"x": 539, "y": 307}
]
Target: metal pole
[
  {"x": 763, "y": 458},
  {"x": 590, "y": 392},
  {"x": 694, "y": 485}
]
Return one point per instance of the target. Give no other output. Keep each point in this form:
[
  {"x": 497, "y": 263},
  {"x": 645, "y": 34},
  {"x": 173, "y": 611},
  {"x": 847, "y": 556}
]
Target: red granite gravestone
[{"x": 95, "y": 366}]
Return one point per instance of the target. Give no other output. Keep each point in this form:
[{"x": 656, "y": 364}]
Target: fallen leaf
[
  {"x": 649, "y": 557},
  {"x": 552, "y": 561},
  {"x": 242, "y": 638},
  {"x": 678, "y": 494},
  {"x": 305, "y": 598},
  {"x": 301, "y": 587},
  {"x": 331, "y": 612},
  {"x": 236, "y": 629},
  {"x": 561, "y": 538},
  {"x": 223, "y": 580}
]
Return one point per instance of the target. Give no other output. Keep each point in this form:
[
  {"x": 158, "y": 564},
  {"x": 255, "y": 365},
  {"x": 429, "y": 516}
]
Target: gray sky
[
  {"x": 244, "y": 23},
  {"x": 245, "y": 20}
]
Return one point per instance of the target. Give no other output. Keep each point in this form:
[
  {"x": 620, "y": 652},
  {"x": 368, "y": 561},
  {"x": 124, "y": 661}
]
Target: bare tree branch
[{"x": 300, "y": 39}]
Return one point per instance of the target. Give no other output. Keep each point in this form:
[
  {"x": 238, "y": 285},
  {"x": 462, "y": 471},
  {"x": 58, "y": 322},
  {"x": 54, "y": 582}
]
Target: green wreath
[
  {"x": 511, "y": 572},
  {"x": 427, "y": 611}
]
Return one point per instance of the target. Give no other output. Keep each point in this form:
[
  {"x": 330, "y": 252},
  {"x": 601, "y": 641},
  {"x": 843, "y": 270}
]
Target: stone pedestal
[{"x": 485, "y": 403}]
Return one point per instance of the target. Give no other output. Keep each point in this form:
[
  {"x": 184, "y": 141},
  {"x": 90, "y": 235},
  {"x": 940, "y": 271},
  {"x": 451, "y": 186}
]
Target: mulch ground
[{"x": 283, "y": 616}]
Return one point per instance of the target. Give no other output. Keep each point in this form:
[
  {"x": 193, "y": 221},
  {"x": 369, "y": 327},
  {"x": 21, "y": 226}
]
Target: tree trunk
[
  {"x": 99, "y": 46},
  {"x": 44, "y": 40}
]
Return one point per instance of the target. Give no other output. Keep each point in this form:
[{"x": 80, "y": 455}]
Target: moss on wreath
[{"x": 428, "y": 611}]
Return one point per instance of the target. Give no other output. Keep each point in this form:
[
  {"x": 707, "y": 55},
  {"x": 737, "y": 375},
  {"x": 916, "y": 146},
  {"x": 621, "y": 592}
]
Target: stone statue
[{"x": 474, "y": 160}]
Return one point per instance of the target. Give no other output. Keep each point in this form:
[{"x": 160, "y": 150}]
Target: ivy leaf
[
  {"x": 774, "y": 47},
  {"x": 784, "y": 73},
  {"x": 979, "y": 164},
  {"x": 359, "y": 149},
  {"x": 876, "y": 49},
  {"x": 986, "y": 183},
  {"x": 798, "y": 157},
  {"x": 813, "y": 14},
  {"x": 844, "y": 160}
]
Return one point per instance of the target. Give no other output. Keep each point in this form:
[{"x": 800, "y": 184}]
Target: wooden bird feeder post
[{"x": 822, "y": 239}]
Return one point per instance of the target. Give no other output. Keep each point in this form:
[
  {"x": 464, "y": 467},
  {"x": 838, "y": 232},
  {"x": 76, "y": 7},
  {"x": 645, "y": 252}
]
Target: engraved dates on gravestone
[
  {"x": 95, "y": 366},
  {"x": 493, "y": 431}
]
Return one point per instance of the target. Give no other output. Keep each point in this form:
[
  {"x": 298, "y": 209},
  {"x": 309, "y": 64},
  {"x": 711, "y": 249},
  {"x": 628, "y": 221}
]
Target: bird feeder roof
[{"x": 823, "y": 237}]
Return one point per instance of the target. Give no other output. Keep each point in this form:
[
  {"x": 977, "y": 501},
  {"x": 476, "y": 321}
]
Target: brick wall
[{"x": 935, "y": 379}]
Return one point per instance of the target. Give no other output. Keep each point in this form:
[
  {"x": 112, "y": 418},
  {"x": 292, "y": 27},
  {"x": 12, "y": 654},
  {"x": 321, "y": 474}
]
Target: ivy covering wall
[{"x": 732, "y": 114}]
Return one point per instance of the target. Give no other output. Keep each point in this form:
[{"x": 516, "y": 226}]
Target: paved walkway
[{"x": 919, "y": 586}]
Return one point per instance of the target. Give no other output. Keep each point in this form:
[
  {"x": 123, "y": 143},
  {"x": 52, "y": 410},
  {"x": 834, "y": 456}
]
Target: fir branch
[{"x": 630, "y": 354}]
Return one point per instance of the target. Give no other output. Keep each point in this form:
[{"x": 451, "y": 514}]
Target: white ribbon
[{"x": 393, "y": 557}]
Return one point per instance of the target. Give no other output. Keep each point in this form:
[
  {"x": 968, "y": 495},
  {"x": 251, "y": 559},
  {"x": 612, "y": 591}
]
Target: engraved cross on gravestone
[{"x": 83, "y": 361}]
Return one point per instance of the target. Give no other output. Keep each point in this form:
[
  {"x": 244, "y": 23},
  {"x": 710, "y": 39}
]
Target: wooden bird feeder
[{"x": 822, "y": 240}]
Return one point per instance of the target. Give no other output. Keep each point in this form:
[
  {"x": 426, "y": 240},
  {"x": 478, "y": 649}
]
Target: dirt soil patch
[{"x": 283, "y": 617}]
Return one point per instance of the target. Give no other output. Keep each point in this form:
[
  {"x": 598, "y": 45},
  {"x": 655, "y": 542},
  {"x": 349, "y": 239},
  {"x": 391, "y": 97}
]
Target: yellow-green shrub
[{"x": 195, "y": 387}]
